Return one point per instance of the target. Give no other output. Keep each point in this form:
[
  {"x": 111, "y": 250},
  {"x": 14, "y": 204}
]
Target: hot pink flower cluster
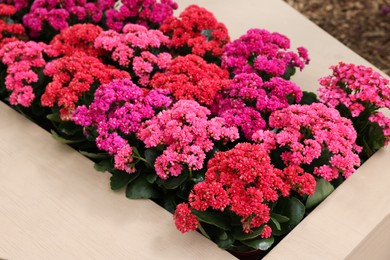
[
  {"x": 23, "y": 61},
  {"x": 262, "y": 52},
  {"x": 77, "y": 38},
  {"x": 247, "y": 99},
  {"x": 138, "y": 49},
  {"x": 306, "y": 133},
  {"x": 244, "y": 181},
  {"x": 356, "y": 87},
  {"x": 150, "y": 13},
  {"x": 187, "y": 134},
  {"x": 191, "y": 77},
  {"x": 196, "y": 31},
  {"x": 118, "y": 109},
  {"x": 73, "y": 77},
  {"x": 45, "y": 11}
]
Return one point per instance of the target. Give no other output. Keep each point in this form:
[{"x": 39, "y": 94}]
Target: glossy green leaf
[
  {"x": 276, "y": 224},
  {"x": 293, "y": 209},
  {"x": 120, "y": 180},
  {"x": 140, "y": 188},
  {"x": 150, "y": 156},
  {"x": 95, "y": 155},
  {"x": 174, "y": 182},
  {"x": 54, "y": 118},
  {"x": 279, "y": 218},
  {"x": 211, "y": 217},
  {"x": 259, "y": 243},
  {"x": 104, "y": 165},
  {"x": 323, "y": 189},
  {"x": 63, "y": 140}
]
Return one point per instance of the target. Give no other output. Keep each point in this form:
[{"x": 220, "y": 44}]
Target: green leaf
[
  {"x": 276, "y": 224},
  {"x": 140, "y": 188},
  {"x": 308, "y": 98},
  {"x": 211, "y": 217},
  {"x": 240, "y": 235},
  {"x": 151, "y": 177},
  {"x": 174, "y": 182},
  {"x": 208, "y": 34},
  {"x": 279, "y": 218},
  {"x": 104, "y": 165},
  {"x": 119, "y": 180},
  {"x": 69, "y": 128},
  {"x": 259, "y": 243},
  {"x": 54, "y": 118},
  {"x": 150, "y": 156},
  {"x": 226, "y": 242},
  {"x": 323, "y": 189},
  {"x": 293, "y": 209},
  {"x": 63, "y": 140},
  {"x": 95, "y": 155}
]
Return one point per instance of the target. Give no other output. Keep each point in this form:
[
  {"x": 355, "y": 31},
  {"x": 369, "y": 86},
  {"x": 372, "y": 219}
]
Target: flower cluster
[
  {"x": 74, "y": 77},
  {"x": 358, "y": 92},
  {"x": 356, "y": 87},
  {"x": 10, "y": 31},
  {"x": 76, "y": 38},
  {"x": 247, "y": 100},
  {"x": 23, "y": 61},
  {"x": 191, "y": 77},
  {"x": 196, "y": 31},
  {"x": 263, "y": 52},
  {"x": 150, "y": 13},
  {"x": 118, "y": 109},
  {"x": 306, "y": 136},
  {"x": 137, "y": 49},
  {"x": 243, "y": 181},
  {"x": 45, "y": 12},
  {"x": 187, "y": 134}
]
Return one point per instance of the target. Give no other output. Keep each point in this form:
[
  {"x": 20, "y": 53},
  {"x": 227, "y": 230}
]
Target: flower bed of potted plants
[{"x": 210, "y": 128}]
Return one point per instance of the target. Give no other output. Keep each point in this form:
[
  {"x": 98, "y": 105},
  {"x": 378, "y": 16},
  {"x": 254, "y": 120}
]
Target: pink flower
[{"x": 184, "y": 220}]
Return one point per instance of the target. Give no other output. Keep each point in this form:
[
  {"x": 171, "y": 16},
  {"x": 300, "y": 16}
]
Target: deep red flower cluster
[
  {"x": 191, "y": 77},
  {"x": 197, "y": 30},
  {"x": 77, "y": 38},
  {"x": 10, "y": 32},
  {"x": 72, "y": 76},
  {"x": 244, "y": 181}
]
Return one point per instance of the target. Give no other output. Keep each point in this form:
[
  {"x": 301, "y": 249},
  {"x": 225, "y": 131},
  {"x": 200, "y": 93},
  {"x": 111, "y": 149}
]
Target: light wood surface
[{"x": 53, "y": 205}]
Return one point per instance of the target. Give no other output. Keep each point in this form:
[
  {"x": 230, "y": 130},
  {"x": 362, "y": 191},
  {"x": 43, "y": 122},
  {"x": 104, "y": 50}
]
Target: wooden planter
[{"x": 54, "y": 205}]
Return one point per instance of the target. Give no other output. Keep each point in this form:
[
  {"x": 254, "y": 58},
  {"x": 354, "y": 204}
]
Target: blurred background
[{"x": 362, "y": 25}]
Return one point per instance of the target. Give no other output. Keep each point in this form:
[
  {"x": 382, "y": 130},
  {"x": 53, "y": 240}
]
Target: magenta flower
[{"x": 265, "y": 53}]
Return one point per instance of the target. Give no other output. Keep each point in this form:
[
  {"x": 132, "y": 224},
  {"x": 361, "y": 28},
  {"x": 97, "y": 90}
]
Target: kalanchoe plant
[
  {"x": 150, "y": 13},
  {"x": 24, "y": 62},
  {"x": 248, "y": 101},
  {"x": 76, "y": 38},
  {"x": 304, "y": 136},
  {"x": 186, "y": 135},
  {"x": 358, "y": 93},
  {"x": 196, "y": 31},
  {"x": 235, "y": 204},
  {"x": 10, "y": 31},
  {"x": 265, "y": 53},
  {"x": 191, "y": 77},
  {"x": 139, "y": 51},
  {"x": 74, "y": 79},
  {"x": 116, "y": 114}
]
